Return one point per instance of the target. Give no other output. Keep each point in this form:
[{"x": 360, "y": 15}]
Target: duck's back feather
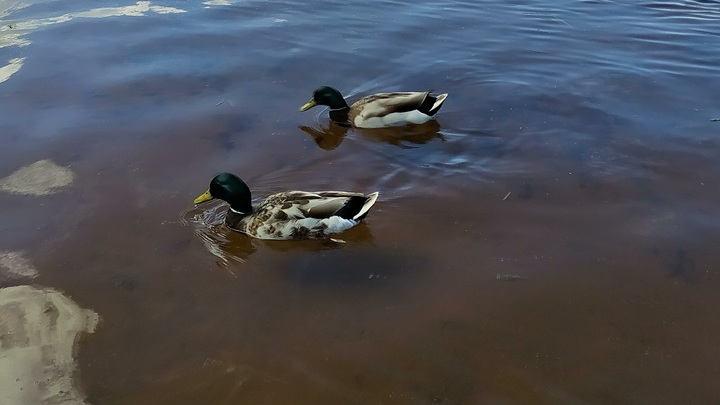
[
  {"x": 302, "y": 214},
  {"x": 380, "y": 104},
  {"x": 392, "y": 109}
]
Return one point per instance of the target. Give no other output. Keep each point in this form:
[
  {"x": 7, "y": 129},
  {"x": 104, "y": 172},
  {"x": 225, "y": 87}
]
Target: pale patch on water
[
  {"x": 39, "y": 328},
  {"x": 10, "y": 6},
  {"x": 13, "y": 39},
  {"x": 40, "y": 178},
  {"x": 15, "y": 265},
  {"x": 11, "y": 68},
  {"x": 218, "y": 2},
  {"x": 13, "y": 34},
  {"x": 138, "y": 9}
]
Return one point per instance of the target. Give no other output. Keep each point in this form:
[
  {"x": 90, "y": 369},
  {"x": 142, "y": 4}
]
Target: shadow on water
[{"x": 330, "y": 137}]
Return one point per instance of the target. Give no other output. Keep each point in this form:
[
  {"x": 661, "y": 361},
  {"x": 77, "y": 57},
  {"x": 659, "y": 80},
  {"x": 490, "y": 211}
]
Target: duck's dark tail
[
  {"x": 357, "y": 207},
  {"x": 431, "y": 104}
]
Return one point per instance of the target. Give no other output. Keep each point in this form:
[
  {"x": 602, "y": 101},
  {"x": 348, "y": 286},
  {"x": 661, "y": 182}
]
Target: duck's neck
[
  {"x": 233, "y": 217},
  {"x": 340, "y": 115}
]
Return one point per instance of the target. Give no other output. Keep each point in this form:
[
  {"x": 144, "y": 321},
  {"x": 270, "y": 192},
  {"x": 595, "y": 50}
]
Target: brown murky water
[{"x": 551, "y": 239}]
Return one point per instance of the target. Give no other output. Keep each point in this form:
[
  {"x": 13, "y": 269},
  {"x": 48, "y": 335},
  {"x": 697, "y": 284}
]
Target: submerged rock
[
  {"x": 40, "y": 178},
  {"x": 38, "y": 331}
]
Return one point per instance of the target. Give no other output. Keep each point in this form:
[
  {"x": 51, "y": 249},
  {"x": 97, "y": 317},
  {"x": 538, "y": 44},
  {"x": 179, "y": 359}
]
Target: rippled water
[{"x": 550, "y": 239}]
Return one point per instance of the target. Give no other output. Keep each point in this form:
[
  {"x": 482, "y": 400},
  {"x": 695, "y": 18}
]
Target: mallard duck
[
  {"x": 378, "y": 110},
  {"x": 290, "y": 214}
]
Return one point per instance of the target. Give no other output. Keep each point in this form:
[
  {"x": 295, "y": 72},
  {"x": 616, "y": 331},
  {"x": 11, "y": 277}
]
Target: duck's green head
[
  {"x": 228, "y": 187},
  {"x": 325, "y": 96}
]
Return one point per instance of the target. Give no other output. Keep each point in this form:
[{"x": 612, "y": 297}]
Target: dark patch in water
[
  {"x": 348, "y": 269},
  {"x": 526, "y": 191},
  {"x": 572, "y": 109},
  {"x": 679, "y": 262},
  {"x": 177, "y": 246},
  {"x": 125, "y": 284},
  {"x": 589, "y": 182},
  {"x": 227, "y": 139},
  {"x": 682, "y": 265}
]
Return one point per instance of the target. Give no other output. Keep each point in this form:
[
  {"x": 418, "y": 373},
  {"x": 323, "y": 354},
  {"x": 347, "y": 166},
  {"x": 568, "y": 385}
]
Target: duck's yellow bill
[
  {"x": 310, "y": 104},
  {"x": 204, "y": 197}
]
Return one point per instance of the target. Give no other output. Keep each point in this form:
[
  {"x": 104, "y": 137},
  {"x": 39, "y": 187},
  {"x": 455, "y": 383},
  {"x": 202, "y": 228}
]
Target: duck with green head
[
  {"x": 290, "y": 214},
  {"x": 380, "y": 110}
]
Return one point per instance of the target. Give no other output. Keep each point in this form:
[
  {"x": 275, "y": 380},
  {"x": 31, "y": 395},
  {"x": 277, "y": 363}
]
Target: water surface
[{"x": 551, "y": 239}]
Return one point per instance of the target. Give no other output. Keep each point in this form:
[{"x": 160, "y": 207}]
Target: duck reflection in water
[{"x": 330, "y": 137}]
